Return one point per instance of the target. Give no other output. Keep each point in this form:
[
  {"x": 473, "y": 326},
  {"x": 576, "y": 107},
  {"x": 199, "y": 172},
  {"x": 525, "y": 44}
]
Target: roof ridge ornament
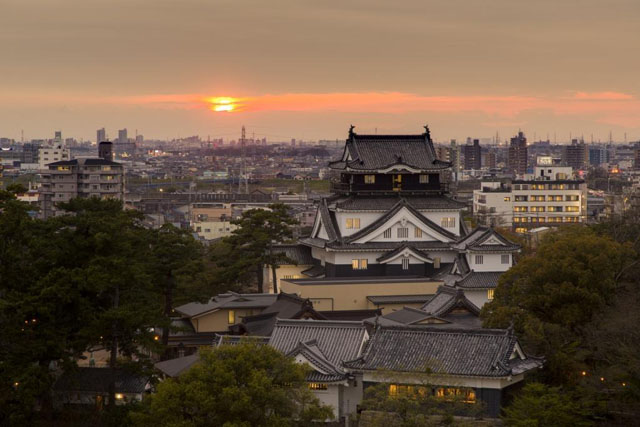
[
  {"x": 351, "y": 132},
  {"x": 427, "y": 132}
]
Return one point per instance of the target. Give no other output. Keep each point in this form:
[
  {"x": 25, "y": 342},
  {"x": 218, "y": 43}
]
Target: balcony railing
[{"x": 345, "y": 187}]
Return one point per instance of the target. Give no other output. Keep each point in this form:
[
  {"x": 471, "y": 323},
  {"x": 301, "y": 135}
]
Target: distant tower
[
  {"x": 243, "y": 170},
  {"x": 101, "y": 135}
]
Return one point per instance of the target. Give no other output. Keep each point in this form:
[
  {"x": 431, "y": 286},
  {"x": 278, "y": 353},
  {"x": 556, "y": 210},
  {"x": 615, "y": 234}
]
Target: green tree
[
  {"x": 412, "y": 405},
  {"x": 551, "y": 295},
  {"x": 108, "y": 249},
  {"x": 243, "y": 385},
  {"x": 250, "y": 245},
  {"x": 176, "y": 264},
  {"x": 538, "y": 405}
]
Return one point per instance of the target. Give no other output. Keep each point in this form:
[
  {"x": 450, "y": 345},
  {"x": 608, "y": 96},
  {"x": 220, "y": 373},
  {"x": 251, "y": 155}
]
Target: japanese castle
[{"x": 390, "y": 215}]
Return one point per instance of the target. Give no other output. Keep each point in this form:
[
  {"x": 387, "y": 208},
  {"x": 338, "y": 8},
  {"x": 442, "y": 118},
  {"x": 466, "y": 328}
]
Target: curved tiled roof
[
  {"x": 479, "y": 280},
  {"x": 477, "y": 352},
  {"x": 375, "y": 152},
  {"x": 384, "y": 203}
]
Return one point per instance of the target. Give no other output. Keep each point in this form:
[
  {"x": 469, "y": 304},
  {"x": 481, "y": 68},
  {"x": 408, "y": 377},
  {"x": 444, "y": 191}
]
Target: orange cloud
[{"x": 602, "y": 96}]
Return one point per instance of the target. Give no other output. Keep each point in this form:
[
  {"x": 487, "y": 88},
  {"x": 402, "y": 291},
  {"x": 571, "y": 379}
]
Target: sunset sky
[{"x": 308, "y": 69}]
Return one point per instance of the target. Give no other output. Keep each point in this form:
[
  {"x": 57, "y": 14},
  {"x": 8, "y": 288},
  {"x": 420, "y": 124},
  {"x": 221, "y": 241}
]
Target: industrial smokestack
[{"x": 105, "y": 150}]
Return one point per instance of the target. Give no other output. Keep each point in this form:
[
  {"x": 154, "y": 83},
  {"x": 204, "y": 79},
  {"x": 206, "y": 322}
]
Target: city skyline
[{"x": 545, "y": 68}]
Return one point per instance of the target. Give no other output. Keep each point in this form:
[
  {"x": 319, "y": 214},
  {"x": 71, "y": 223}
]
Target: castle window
[
  {"x": 387, "y": 233},
  {"x": 424, "y": 179},
  {"x": 405, "y": 263},
  {"x": 369, "y": 179},
  {"x": 317, "y": 386},
  {"x": 504, "y": 259},
  {"x": 231, "y": 317},
  {"x": 417, "y": 232},
  {"x": 353, "y": 222},
  {"x": 490, "y": 293},
  {"x": 359, "y": 264},
  {"x": 479, "y": 259},
  {"x": 448, "y": 222},
  {"x": 403, "y": 233}
]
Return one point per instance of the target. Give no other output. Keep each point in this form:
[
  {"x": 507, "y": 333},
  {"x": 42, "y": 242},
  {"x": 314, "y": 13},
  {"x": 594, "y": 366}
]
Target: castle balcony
[{"x": 364, "y": 189}]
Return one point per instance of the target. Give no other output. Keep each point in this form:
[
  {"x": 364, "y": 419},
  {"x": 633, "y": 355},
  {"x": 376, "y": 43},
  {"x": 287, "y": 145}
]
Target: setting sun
[{"x": 222, "y": 104}]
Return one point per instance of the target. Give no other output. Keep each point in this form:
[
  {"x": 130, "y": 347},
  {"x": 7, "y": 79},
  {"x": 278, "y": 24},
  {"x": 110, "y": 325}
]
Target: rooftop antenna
[
  {"x": 22, "y": 135},
  {"x": 625, "y": 137},
  {"x": 610, "y": 137}
]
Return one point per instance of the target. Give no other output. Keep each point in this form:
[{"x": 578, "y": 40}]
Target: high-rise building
[
  {"x": 139, "y": 139},
  {"x": 84, "y": 177},
  {"x": 122, "y": 136},
  {"x": 58, "y": 136},
  {"x": 517, "y": 162},
  {"x": 101, "y": 135},
  {"x": 598, "y": 155},
  {"x": 454, "y": 158},
  {"x": 490, "y": 160},
  {"x": 575, "y": 155},
  {"x": 472, "y": 155}
]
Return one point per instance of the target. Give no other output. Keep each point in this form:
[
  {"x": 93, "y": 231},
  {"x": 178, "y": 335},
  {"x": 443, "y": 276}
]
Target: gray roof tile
[
  {"x": 478, "y": 352},
  {"x": 479, "y": 280}
]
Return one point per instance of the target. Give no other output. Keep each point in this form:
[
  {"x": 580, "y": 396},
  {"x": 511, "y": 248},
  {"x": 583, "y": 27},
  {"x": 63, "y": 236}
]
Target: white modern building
[{"x": 550, "y": 196}]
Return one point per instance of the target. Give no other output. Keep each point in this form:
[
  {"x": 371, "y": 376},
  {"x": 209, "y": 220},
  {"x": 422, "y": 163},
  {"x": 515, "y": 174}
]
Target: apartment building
[
  {"x": 211, "y": 221},
  {"x": 551, "y": 196},
  {"x": 83, "y": 177}
]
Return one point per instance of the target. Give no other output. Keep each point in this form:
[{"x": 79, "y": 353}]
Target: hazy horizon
[{"x": 307, "y": 70}]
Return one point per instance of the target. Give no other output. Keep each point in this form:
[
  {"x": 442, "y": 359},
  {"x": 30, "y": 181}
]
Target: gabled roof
[
  {"x": 96, "y": 380},
  {"x": 375, "y": 152},
  {"x": 459, "y": 352},
  {"x": 230, "y": 300},
  {"x": 400, "y": 205},
  {"x": 328, "y": 221},
  {"x": 485, "y": 239},
  {"x": 175, "y": 367},
  {"x": 338, "y": 341},
  {"x": 447, "y": 299},
  {"x": 324, "y": 370},
  {"x": 479, "y": 280},
  {"x": 405, "y": 248},
  {"x": 409, "y": 316},
  {"x": 300, "y": 254}
]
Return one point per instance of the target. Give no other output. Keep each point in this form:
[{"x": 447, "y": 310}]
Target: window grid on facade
[
  {"x": 387, "y": 233},
  {"x": 504, "y": 259},
  {"x": 231, "y": 317},
  {"x": 424, "y": 179},
  {"x": 490, "y": 293},
  {"x": 405, "y": 263},
  {"x": 479, "y": 259},
  {"x": 403, "y": 233},
  {"x": 353, "y": 222},
  {"x": 359, "y": 264},
  {"x": 448, "y": 222},
  {"x": 418, "y": 232},
  {"x": 369, "y": 179}
]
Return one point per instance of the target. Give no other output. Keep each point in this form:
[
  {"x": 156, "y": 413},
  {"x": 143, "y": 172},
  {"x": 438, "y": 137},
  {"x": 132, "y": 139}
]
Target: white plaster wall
[
  {"x": 351, "y": 396},
  {"x": 490, "y": 262},
  {"x": 477, "y": 297}
]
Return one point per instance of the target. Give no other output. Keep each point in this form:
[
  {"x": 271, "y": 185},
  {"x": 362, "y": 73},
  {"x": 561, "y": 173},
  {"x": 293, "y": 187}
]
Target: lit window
[
  {"x": 418, "y": 232},
  {"x": 393, "y": 390},
  {"x": 403, "y": 232},
  {"x": 359, "y": 264},
  {"x": 507, "y": 199},
  {"x": 387, "y": 233},
  {"x": 490, "y": 293},
  {"x": 353, "y": 222},
  {"x": 448, "y": 222},
  {"x": 504, "y": 259},
  {"x": 479, "y": 259},
  {"x": 572, "y": 208},
  {"x": 231, "y": 317},
  {"x": 369, "y": 179},
  {"x": 424, "y": 179},
  {"x": 521, "y": 230},
  {"x": 317, "y": 386},
  {"x": 405, "y": 263}
]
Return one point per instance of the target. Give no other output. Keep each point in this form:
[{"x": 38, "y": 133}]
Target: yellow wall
[
  {"x": 282, "y": 271},
  {"x": 218, "y": 321},
  {"x": 351, "y": 296}
]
